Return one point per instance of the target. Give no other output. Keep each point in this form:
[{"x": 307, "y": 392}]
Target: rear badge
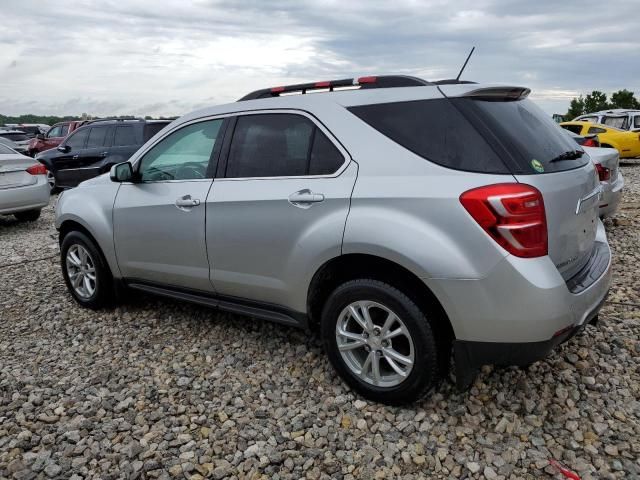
[{"x": 537, "y": 166}]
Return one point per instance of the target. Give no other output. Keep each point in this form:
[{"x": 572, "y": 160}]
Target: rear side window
[
  {"x": 97, "y": 136},
  {"x": 597, "y": 130},
  {"x": 55, "y": 132},
  {"x": 617, "y": 122},
  {"x": 636, "y": 121},
  {"x": 15, "y": 137},
  {"x": 77, "y": 139},
  {"x": 280, "y": 145},
  {"x": 434, "y": 130},
  {"x": 124, "y": 136}
]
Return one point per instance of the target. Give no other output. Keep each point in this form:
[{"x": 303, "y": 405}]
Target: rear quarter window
[{"x": 434, "y": 130}]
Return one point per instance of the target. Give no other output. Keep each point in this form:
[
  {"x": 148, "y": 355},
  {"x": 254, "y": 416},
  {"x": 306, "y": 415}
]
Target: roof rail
[
  {"x": 452, "y": 81},
  {"x": 384, "y": 81},
  {"x": 110, "y": 119}
]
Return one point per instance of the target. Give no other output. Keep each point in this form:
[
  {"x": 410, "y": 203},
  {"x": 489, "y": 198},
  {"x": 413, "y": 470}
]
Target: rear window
[
  {"x": 475, "y": 135},
  {"x": 577, "y": 129},
  {"x": 16, "y": 137},
  {"x": 434, "y": 130}
]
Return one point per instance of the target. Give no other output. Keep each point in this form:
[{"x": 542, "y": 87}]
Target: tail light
[
  {"x": 512, "y": 214},
  {"x": 604, "y": 174},
  {"x": 591, "y": 141},
  {"x": 37, "y": 169}
]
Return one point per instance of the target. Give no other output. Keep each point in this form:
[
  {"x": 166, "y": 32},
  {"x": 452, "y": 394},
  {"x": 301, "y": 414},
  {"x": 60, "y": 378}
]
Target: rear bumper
[
  {"x": 20, "y": 199},
  {"x": 611, "y": 197}
]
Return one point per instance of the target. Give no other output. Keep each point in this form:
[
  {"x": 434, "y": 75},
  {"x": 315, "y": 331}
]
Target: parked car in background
[
  {"x": 621, "y": 118},
  {"x": 402, "y": 222},
  {"x": 9, "y": 143},
  {"x": 30, "y": 129},
  {"x": 18, "y": 137},
  {"x": 53, "y": 136},
  {"x": 93, "y": 148},
  {"x": 607, "y": 165},
  {"x": 626, "y": 142},
  {"x": 24, "y": 190}
]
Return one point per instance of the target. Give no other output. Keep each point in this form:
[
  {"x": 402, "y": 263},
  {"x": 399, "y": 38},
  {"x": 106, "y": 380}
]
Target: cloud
[{"x": 144, "y": 57}]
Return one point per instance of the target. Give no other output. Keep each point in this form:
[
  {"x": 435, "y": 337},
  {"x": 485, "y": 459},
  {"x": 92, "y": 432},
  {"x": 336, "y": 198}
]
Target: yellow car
[{"x": 626, "y": 142}]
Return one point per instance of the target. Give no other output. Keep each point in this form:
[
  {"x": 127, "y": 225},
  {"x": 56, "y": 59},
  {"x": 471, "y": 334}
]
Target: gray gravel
[{"x": 159, "y": 389}]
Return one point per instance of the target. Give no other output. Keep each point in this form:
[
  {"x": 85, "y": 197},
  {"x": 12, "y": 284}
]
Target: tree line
[
  {"x": 597, "y": 100},
  {"x": 52, "y": 119}
]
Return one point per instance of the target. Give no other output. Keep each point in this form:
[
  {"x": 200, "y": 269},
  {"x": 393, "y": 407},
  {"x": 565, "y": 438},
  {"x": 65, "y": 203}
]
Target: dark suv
[{"x": 93, "y": 148}]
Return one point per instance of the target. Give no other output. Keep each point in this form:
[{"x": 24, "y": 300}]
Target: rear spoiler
[{"x": 499, "y": 94}]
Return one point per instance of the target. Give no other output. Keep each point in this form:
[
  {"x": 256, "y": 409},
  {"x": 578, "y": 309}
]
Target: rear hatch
[{"x": 538, "y": 153}]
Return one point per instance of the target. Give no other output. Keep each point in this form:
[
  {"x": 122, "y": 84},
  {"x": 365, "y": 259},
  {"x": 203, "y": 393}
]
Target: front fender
[{"x": 91, "y": 207}]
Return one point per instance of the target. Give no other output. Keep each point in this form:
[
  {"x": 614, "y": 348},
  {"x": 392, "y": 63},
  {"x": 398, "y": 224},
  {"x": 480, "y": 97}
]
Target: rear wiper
[{"x": 570, "y": 155}]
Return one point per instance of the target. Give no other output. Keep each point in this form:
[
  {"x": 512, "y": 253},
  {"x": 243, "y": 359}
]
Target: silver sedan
[{"x": 24, "y": 189}]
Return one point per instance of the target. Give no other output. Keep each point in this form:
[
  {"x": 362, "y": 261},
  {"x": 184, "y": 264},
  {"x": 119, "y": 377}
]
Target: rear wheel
[
  {"x": 380, "y": 342},
  {"x": 28, "y": 216},
  {"x": 85, "y": 271}
]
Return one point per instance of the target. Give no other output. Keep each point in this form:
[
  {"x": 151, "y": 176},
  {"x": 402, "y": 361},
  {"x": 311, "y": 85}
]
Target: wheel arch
[{"x": 343, "y": 268}]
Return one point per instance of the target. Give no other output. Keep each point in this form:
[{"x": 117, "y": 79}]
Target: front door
[
  {"x": 159, "y": 221},
  {"x": 280, "y": 209}
]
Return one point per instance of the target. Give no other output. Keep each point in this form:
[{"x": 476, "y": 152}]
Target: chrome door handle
[
  {"x": 187, "y": 202},
  {"x": 304, "y": 198},
  {"x": 75, "y": 157}
]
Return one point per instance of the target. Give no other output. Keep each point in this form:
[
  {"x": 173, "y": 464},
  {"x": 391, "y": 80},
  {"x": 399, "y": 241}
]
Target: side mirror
[
  {"x": 40, "y": 136},
  {"x": 121, "y": 172},
  {"x": 64, "y": 148}
]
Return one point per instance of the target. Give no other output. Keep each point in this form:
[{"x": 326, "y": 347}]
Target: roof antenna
[{"x": 465, "y": 63}]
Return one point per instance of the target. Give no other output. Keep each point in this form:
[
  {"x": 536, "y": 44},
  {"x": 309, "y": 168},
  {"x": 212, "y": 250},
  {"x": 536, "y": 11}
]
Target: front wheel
[
  {"x": 380, "y": 342},
  {"x": 85, "y": 271}
]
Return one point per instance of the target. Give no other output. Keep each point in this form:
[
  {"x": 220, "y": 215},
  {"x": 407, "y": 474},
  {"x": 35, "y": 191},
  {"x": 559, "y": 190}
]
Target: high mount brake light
[
  {"x": 513, "y": 214},
  {"x": 37, "y": 169},
  {"x": 604, "y": 174}
]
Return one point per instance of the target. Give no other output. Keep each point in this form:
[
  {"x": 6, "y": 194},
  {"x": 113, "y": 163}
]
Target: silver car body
[
  {"x": 20, "y": 146},
  {"x": 247, "y": 239},
  {"x": 19, "y": 190},
  {"x": 612, "y": 188}
]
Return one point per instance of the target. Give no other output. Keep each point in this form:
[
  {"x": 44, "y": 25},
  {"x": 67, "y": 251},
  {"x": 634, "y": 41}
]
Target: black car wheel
[{"x": 28, "y": 216}]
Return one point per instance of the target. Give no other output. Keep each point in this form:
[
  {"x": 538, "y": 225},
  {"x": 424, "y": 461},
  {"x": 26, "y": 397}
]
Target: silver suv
[{"x": 405, "y": 219}]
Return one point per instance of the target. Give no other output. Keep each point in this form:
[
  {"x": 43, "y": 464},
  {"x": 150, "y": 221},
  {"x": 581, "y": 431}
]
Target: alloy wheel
[{"x": 81, "y": 271}]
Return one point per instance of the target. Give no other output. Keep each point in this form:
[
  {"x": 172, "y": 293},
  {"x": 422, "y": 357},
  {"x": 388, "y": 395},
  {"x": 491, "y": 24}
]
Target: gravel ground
[{"x": 160, "y": 389}]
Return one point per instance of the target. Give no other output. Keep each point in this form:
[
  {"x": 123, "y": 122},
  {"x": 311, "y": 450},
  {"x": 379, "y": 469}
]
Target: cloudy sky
[{"x": 166, "y": 57}]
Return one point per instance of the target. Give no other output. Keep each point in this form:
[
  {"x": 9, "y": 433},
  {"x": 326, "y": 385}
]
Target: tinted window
[
  {"x": 573, "y": 128},
  {"x": 4, "y": 150},
  {"x": 325, "y": 157},
  {"x": 435, "y": 130},
  {"x": 124, "y": 136},
  {"x": 151, "y": 129},
  {"x": 97, "y": 136},
  {"x": 77, "y": 139},
  {"x": 65, "y": 130},
  {"x": 636, "y": 121},
  {"x": 183, "y": 155},
  {"x": 55, "y": 132},
  {"x": 280, "y": 145},
  {"x": 597, "y": 130},
  {"x": 525, "y": 136}
]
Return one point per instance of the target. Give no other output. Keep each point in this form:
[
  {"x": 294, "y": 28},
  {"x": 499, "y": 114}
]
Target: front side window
[
  {"x": 77, "y": 140},
  {"x": 97, "y": 136},
  {"x": 617, "y": 122},
  {"x": 280, "y": 145},
  {"x": 182, "y": 155},
  {"x": 55, "y": 132}
]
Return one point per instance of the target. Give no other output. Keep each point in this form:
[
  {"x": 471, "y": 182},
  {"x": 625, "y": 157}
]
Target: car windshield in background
[
  {"x": 4, "y": 150},
  {"x": 16, "y": 137},
  {"x": 617, "y": 122}
]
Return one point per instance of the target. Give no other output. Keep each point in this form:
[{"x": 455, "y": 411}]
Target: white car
[
  {"x": 621, "y": 118},
  {"x": 24, "y": 189}
]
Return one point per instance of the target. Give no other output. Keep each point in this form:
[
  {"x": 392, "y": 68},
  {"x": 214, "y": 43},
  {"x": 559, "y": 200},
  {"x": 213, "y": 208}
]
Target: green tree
[
  {"x": 595, "y": 101},
  {"x": 624, "y": 99},
  {"x": 576, "y": 108}
]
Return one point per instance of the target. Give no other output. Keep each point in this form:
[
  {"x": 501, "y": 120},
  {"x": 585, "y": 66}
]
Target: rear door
[
  {"x": 279, "y": 209},
  {"x": 65, "y": 164},
  {"x": 90, "y": 159}
]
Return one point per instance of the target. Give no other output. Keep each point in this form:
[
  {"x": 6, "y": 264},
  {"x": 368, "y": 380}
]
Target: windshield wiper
[{"x": 570, "y": 155}]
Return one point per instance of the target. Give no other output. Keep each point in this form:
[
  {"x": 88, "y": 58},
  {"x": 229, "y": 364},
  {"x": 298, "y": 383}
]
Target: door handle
[
  {"x": 186, "y": 202},
  {"x": 104, "y": 154},
  {"x": 304, "y": 198},
  {"x": 75, "y": 157}
]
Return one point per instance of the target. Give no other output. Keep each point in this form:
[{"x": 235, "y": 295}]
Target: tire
[
  {"x": 28, "y": 216},
  {"x": 51, "y": 179},
  {"x": 102, "y": 294},
  {"x": 419, "y": 344}
]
